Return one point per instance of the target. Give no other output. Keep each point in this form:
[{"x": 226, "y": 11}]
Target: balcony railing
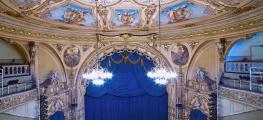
[
  {"x": 15, "y": 79},
  {"x": 244, "y": 75},
  {"x": 241, "y": 67},
  {"x": 16, "y": 70}
]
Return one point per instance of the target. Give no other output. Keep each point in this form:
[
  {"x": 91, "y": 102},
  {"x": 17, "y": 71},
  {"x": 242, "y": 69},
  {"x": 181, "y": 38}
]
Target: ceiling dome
[
  {"x": 122, "y": 14},
  {"x": 77, "y": 20}
]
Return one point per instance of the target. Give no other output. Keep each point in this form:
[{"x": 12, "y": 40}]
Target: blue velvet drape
[
  {"x": 197, "y": 115},
  {"x": 59, "y": 115},
  {"x": 130, "y": 94}
]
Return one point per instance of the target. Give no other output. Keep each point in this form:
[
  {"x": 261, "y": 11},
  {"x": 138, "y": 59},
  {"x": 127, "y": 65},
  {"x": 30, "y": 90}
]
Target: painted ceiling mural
[
  {"x": 126, "y": 17},
  {"x": 183, "y": 11},
  {"x": 72, "y": 14},
  {"x": 123, "y": 13}
]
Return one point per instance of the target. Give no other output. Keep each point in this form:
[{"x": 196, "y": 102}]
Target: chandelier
[
  {"x": 161, "y": 74},
  {"x": 97, "y": 75}
]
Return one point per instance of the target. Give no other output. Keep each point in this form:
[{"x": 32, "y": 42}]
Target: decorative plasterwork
[
  {"x": 82, "y": 13},
  {"x": 247, "y": 26},
  {"x": 251, "y": 98},
  {"x": 17, "y": 99}
]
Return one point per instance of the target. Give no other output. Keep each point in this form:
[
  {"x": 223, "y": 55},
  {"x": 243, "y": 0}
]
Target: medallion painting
[
  {"x": 182, "y": 11},
  {"x": 72, "y": 56},
  {"x": 72, "y": 14},
  {"x": 180, "y": 54},
  {"x": 126, "y": 18}
]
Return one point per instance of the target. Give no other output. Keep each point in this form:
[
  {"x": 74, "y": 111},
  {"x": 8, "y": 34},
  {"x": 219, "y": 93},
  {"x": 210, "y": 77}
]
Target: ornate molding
[
  {"x": 248, "y": 26},
  {"x": 246, "y": 97},
  {"x": 17, "y": 99}
]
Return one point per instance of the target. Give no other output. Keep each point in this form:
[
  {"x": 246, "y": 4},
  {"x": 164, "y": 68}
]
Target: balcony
[
  {"x": 15, "y": 79},
  {"x": 243, "y": 76}
]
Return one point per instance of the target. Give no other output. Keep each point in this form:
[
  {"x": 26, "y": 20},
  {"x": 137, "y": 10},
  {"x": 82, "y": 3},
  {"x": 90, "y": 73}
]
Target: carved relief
[
  {"x": 103, "y": 16},
  {"x": 59, "y": 47},
  {"x": 56, "y": 91},
  {"x": 72, "y": 56},
  {"x": 149, "y": 13},
  {"x": 32, "y": 51},
  {"x": 55, "y": 104},
  {"x": 251, "y": 98},
  {"x": 201, "y": 76},
  {"x": 221, "y": 47},
  {"x": 201, "y": 103},
  {"x": 17, "y": 99},
  {"x": 53, "y": 85}
]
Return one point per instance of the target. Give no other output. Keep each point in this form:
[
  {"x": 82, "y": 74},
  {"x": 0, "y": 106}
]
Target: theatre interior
[{"x": 131, "y": 60}]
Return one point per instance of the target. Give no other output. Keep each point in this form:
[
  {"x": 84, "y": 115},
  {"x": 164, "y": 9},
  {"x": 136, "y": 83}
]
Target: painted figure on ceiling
[
  {"x": 72, "y": 56},
  {"x": 126, "y": 18},
  {"x": 179, "y": 14},
  {"x": 180, "y": 54},
  {"x": 74, "y": 16}
]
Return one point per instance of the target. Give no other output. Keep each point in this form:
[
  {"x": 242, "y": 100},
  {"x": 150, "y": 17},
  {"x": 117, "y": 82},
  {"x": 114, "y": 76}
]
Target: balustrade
[
  {"x": 16, "y": 70},
  {"x": 244, "y": 76},
  {"x": 15, "y": 79}
]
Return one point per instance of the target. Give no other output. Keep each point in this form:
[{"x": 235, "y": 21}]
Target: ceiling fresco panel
[
  {"x": 126, "y": 18},
  {"x": 182, "y": 11},
  {"x": 73, "y": 14}
]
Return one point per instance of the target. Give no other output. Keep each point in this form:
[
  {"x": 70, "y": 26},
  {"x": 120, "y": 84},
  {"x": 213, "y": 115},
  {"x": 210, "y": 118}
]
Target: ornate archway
[{"x": 104, "y": 50}]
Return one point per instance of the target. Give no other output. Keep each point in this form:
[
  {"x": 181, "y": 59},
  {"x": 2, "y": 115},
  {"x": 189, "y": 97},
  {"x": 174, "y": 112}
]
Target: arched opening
[
  {"x": 59, "y": 115},
  {"x": 10, "y": 54},
  {"x": 196, "y": 114},
  {"x": 244, "y": 65},
  {"x": 130, "y": 94}
]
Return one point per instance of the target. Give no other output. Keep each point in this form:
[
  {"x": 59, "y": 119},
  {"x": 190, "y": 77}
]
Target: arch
[
  {"x": 58, "y": 115},
  {"x": 150, "y": 51},
  {"x": 89, "y": 61},
  {"x": 195, "y": 55},
  {"x": 47, "y": 48},
  {"x": 197, "y": 114},
  {"x": 245, "y": 44},
  {"x": 18, "y": 48}
]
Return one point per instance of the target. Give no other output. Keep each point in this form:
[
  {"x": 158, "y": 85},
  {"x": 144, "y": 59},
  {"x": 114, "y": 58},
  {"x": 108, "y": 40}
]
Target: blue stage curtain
[
  {"x": 59, "y": 115},
  {"x": 197, "y": 115},
  {"x": 142, "y": 107},
  {"x": 130, "y": 94}
]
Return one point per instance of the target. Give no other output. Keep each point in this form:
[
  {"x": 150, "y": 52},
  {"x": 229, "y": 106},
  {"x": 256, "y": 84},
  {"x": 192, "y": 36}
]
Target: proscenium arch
[{"x": 89, "y": 61}]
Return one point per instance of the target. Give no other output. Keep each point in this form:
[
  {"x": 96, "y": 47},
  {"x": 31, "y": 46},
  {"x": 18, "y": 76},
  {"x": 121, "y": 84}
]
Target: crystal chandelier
[
  {"x": 97, "y": 75},
  {"x": 161, "y": 74}
]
